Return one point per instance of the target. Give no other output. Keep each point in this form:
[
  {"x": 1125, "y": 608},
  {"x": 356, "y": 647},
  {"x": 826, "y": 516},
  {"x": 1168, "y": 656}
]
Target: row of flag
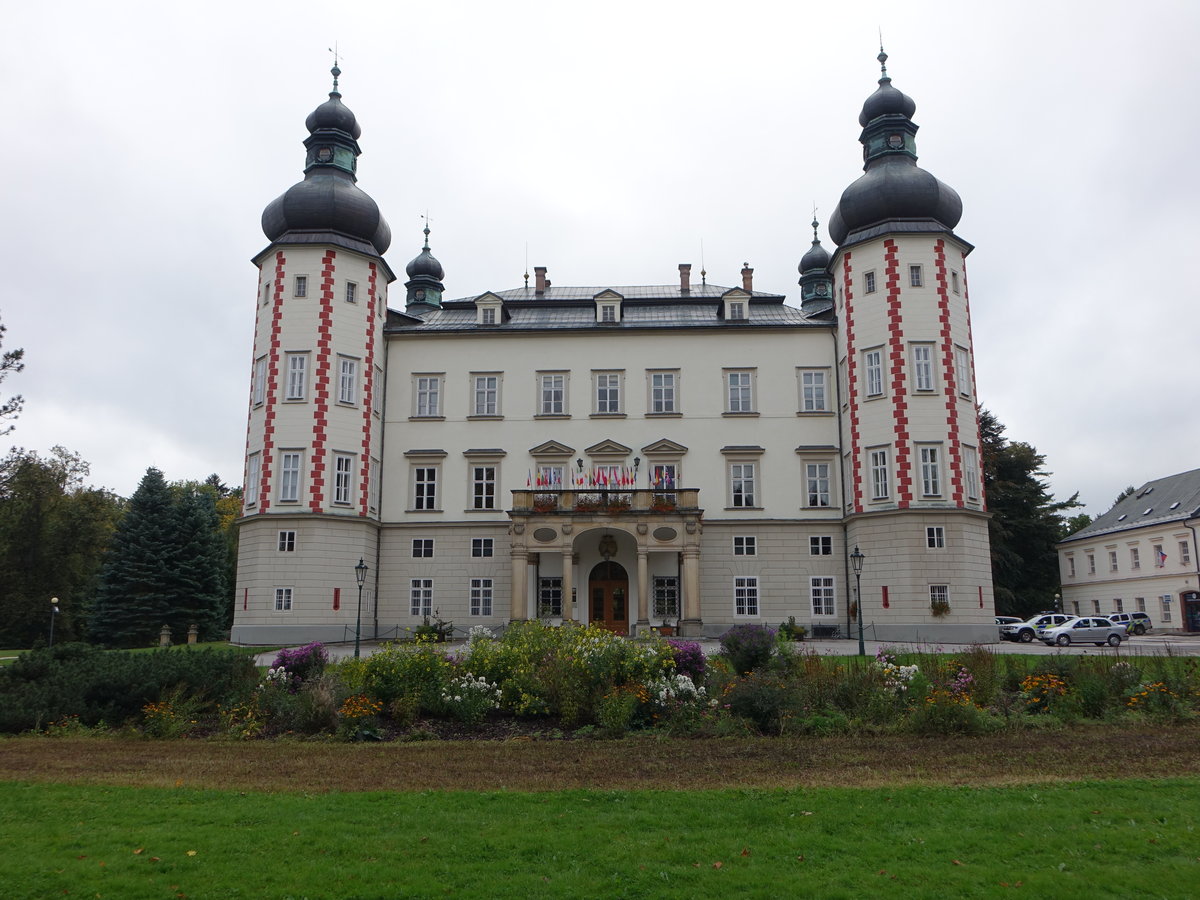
[{"x": 610, "y": 477}]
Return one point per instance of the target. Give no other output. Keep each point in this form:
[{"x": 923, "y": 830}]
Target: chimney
[
  {"x": 747, "y": 277},
  {"x": 685, "y": 278},
  {"x": 540, "y": 283}
]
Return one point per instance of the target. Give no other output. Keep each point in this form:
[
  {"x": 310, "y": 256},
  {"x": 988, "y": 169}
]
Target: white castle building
[{"x": 685, "y": 454}]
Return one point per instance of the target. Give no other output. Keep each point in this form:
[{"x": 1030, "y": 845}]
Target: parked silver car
[{"x": 1083, "y": 631}]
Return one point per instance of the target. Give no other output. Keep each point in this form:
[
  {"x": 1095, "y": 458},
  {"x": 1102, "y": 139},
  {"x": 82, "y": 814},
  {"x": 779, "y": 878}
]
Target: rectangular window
[
  {"x": 1091, "y": 558},
  {"x": 347, "y": 380},
  {"x": 608, "y": 312},
  {"x": 608, "y": 393},
  {"x": 745, "y": 545},
  {"x": 939, "y": 596},
  {"x": 1141, "y": 603},
  {"x": 429, "y": 396},
  {"x": 266, "y": 292},
  {"x": 820, "y": 545},
  {"x": 873, "y": 363},
  {"x": 259, "y": 392},
  {"x": 420, "y": 596},
  {"x": 425, "y": 487},
  {"x": 741, "y": 479},
  {"x": 1112, "y": 560},
  {"x": 962, "y": 371},
  {"x": 1135, "y": 558},
  {"x": 487, "y": 315},
  {"x": 373, "y": 485},
  {"x": 745, "y": 595},
  {"x": 662, "y": 392},
  {"x": 922, "y": 361},
  {"x": 343, "y": 478},
  {"x": 253, "y": 476},
  {"x": 737, "y": 309},
  {"x": 287, "y": 541},
  {"x": 297, "y": 376},
  {"x": 422, "y": 548},
  {"x": 813, "y": 392},
  {"x": 666, "y": 597},
  {"x": 550, "y": 477},
  {"x": 1075, "y": 606},
  {"x": 1165, "y": 603},
  {"x": 1185, "y": 553},
  {"x": 482, "y": 548},
  {"x": 351, "y": 292},
  {"x": 971, "y": 472},
  {"x": 289, "y": 476},
  {"x": 869, "y": 282},
  {"x": 954, "y": 282},
  {"x": 1160, "y": 558},
  {"x": 550, "y": 598},
  {"x": 553, "y": 389},
  {"x": 481, "y": 596},
  {"x": 1071, "y": 566},
  {"x": 821, "y": 590},
  {"x": 880, "y": 474},
  {"x": 1096, "y": 607},
  {"x": 1118, "y": 606},
  {"x": 739, "y": 393},
  {"x": 914, "y": 276},
  {"x": 935, "y": 537},
  {"x": 283, "y": 599},
  {"x": 301, "y": 286},
  {"x": 931, "y": 476},
  {"x": 816, "y": 476},
  {"x": 483, "y": 487},
  {"x": 487, "y": 395},
  {"x": 377, "y": 392}
]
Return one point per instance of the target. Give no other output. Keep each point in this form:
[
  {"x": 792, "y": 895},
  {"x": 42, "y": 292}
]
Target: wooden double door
[{"x": 608, "y": 592}]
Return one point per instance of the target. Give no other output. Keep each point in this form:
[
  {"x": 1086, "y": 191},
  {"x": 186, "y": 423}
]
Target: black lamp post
[
  {"x": 360, "y": 575},
  {"x": 856, "y": 562},
  {"x": 53, "y": 613}
]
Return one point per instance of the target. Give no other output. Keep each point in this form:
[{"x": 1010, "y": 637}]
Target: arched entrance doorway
[{"x": 608, "y": 597}]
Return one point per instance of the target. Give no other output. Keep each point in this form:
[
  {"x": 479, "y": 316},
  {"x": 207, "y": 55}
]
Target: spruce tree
[{"x": 196, "y": 585}]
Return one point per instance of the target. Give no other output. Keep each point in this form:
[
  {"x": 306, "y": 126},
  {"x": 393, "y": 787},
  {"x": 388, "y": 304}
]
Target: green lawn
[{"x": 1096, "y": 839}]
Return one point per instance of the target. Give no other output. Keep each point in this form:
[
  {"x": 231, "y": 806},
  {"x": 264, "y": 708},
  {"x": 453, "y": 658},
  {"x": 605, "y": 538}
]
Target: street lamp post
[
  {"x": 53, "y": 613},
  {"x": 856, "y": 562},
  {"x": 360, "y": 575}
]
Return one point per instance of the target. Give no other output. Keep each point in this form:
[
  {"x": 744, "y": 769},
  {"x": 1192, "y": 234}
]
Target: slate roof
[{"x": 1170, "y": 499}]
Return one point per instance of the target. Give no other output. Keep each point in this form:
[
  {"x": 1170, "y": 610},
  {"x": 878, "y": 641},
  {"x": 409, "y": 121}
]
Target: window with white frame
[
  {"x": 1185, "y": 553},
  {"x": 287, "y": 541},
  {"x": 1091, "y": 561},
  {"x": 1118, "y": 605},
  {"x": 664, "y": 393},
  {"x": 297, "y": 376},
  {"x": 481, "y": 596},
  {"x": 820, "y": 545},
  {"x": 300, "y": 286},
  {"x": 954, "y": 282},
  {"x": 813, "y": 390},
  {"x": 931, "y": 471},
  {"x": 1160, "y": 558},
  {"x": 1075, "y": 606},
  {"x": 483, "y": 487},
  {"x": 922, "y": 361},
  {"x": 1140, "y": 602},
  {"x": 664, "y": 476},
  {"x": 487, "y": 315},
  {"x": 962, "y": 371},
  {"x": 820, "y": 588},
  {"x": 873, "y": 364},
  {"x": 935, "y": 537},
  {"x": 266, "y": 292},
  {"x": 666, "y": 597},
  {"x": 971, "y": 472},
  {"x": 737, "y": 310},
  {"x": 1070, "y": 567},
  {"x": 283, "y": 599},
  {"x": 483, "y": 548},
  {"x": 351, "y": 292},
  {"x": 486, "y": 400},
  {"x": 1112, "y": 560},
  {"x": 425, "y": 493},
  {"x": 259, "y": 391},
  {"x": 289, "y": 476},
  {"x": 347, "y": 380},
  {"x": 881, "y": 471},
  {"x": 816, "y": 477},
  {"x": 739, "y": 394},
  {"x": 745, "y": 595},
  {"x": 1096, "y": 607},
  {"x": 373, "y": 485},
  {"x": 742, "y": 485},
  {"x": 1165, "y": 603},
  {"x": 428, "y": 395},
  {"x": 745, "y": 545},
  {"x": 939, "y": 596},
  {"x": 377, "y": 392},
  {"x": 550, "y": 597},
  {"x": 1135, "y": 558},
  {"x": 253, "y": 478},
  {"x": 549, "y": 477},
  {"x": 608, "y": 313},
  {"x": 608, "y": 393},
  {"x": 869, "y": 282},
  {"x": 552, "y": 387},
  {"x": 422, "y": 548},
  {"x": 343, "y": 478},
  {"x": 420, "y": 596},
  {"x": 915, "y": 276}
]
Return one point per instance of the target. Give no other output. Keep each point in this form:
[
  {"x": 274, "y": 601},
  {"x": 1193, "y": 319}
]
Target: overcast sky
[{"x": 613, "y": 140}]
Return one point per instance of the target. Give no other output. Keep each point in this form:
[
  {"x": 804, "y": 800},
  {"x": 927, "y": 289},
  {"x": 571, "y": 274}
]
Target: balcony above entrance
[{"x": 612, "y": 502}]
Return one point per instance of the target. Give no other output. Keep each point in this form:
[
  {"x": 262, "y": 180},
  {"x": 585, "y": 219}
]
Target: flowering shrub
[
  {"x": 418, "y": 671},
  {"x": 304, "y": 663},
  {"x": 748, "y": 647},
  {"x": 480, "y": 633},
  {"x": 619, "y": 706},
  {"x": 1043, "y": 691},
  {"x": 469, "y": 698},
  {"x": 896, "y": 678},
  {"x": 1156, "y": 698},
  {"x": 689, "y": 659},
  {"x": 357, "y": 716}
]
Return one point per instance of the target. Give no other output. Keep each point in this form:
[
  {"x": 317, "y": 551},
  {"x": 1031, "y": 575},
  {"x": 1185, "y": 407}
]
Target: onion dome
[
  {"x": 424, "y": 286},
  {"x": 327, "y": 206},
  {"x": 817, "y": 256},
  {"x": 816, "y": 284},
  {"x": 893, "y": 189},
  {"x": 425, "y": 263}
]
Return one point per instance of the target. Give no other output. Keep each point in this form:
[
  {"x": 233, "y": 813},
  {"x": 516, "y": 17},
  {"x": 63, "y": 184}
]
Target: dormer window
[
  {"x": 489, "y": 310},
  {"x": 608, "y": 312},
  {"x": 608, "y": 307},
  {"x": 737, "y": 309},
  {"x": 487, "y": 316}
]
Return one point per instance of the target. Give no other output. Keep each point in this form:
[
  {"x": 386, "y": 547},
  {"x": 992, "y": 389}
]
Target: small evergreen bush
[{"x": 748, "y": 647}]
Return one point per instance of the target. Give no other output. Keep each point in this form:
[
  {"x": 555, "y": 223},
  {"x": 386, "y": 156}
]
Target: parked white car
[
  {"x": 1089, "y": 630},
  {"x": 1025, "y": 632},
  {"x": 1134, "y": 622}
]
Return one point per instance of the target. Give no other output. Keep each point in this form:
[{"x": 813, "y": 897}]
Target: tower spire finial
[
  {"x": 335, "y": 71},
  {"x": 426, "y": 218},
  {"x": 883, "y": 58},
  {"x": 816, "y": 240}
]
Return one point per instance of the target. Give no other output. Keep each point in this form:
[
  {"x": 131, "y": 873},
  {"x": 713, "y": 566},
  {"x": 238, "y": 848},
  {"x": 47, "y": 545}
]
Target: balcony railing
[{"x": 604, "y": 502}]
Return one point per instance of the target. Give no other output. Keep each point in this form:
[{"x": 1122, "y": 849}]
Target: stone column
[
  {"x": 164, "y": 636},
  {"x": 193, "y": 633},
  {"x": 568, "y": 583},
  {"x": 518, "y": 605},
  {"x": 691, "y": 624},
  {"x": 643, "y": 583}
]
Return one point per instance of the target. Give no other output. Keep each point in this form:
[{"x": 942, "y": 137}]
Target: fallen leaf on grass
[
  {"x": 191, "y": 853},
  {"x": 138, "y": 851},
  {"x": 155, "y": 859},
  {"x": 800, "y": 858},
  {"x": 695, "y": 865},
  {"x": 745, "y": 851},
  {"x": 957, "y": 863},
  {"x": 718, "y": 864},
  {"x": 881, "y": 872}
]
